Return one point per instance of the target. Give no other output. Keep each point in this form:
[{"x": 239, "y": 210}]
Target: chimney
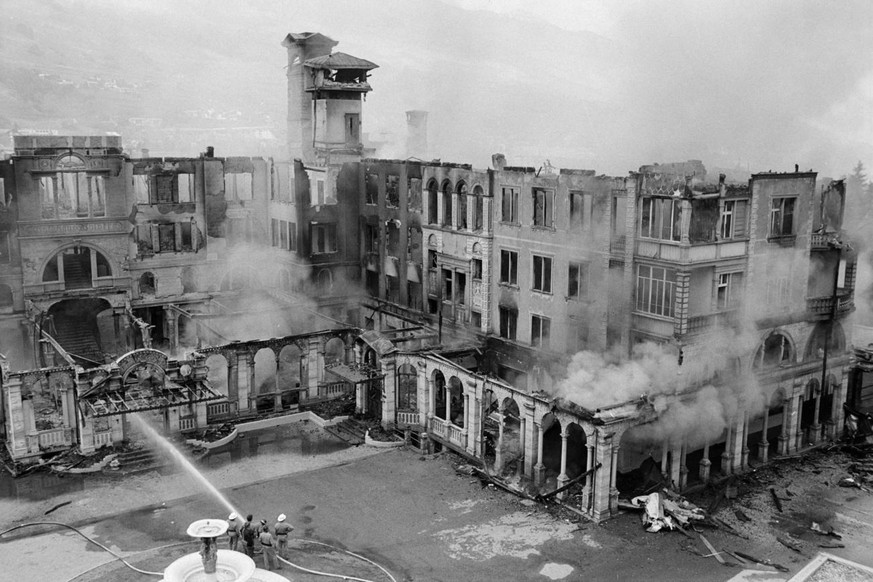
[
  {"x": 210, "y": 152},
  {"x": 416, "y": 134},
  {"x": 498, "y": 161},
  {"x": 796, "y": 168}
]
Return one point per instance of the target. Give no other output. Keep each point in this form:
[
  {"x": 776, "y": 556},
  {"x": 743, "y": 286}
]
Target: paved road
[{"x": 415, "y": 516}]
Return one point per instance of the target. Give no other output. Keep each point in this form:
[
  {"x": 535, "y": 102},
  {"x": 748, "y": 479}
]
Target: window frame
[
  {"x": 538, "y": 325},
  {"x": 328, "y": 229},
  {"x": 655, "y": 296},
  {"x": 508, "y": 322},
  {"x": 541, "y": 277},
  {"x": 778, "y": 214},
  {"x": 577, "y": 210},
  {"x": 509, "y": 205},
  {"x": 546, "y": 218},
  {"x": 580, "y": 292},
  {"x": 656, "y": 213},
  {"x": 509, "y": 267}
]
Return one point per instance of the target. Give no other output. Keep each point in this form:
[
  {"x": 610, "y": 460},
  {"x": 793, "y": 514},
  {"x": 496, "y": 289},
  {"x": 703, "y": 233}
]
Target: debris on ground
[
  {"x": 776, "y": 500},
  {"x": 653, "y": 516},
  {"x": 755, "y": 560},
  {"x": 790, "y": 542}
]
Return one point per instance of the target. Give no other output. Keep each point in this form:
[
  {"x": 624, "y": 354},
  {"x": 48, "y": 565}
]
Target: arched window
[
  {"x": 407, "y": 388},
  {"x": 478, "y": 209},
  {"x": 836, "y": 340},
  {"x": 77, "y": 267},
  {"x": 447, "y": 204},
  {"x": 462, "y": 206},
  {"x": 433, "y": 203},
  {"x": 147, "y": 284},
  {"x": 776, "y": 351}
]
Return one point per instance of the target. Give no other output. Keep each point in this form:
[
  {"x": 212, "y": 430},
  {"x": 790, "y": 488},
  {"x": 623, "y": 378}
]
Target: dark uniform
[{"x": 248, "y": 535}]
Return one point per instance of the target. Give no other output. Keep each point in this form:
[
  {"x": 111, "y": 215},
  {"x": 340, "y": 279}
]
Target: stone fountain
[{"x": 213, "y": 565}]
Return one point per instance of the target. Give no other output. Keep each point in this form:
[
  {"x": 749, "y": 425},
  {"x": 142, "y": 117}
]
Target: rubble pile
[{"x": 770, "y": 517}]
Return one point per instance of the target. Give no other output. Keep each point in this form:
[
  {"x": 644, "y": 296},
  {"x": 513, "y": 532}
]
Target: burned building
[{"x": 559, "y": 325}]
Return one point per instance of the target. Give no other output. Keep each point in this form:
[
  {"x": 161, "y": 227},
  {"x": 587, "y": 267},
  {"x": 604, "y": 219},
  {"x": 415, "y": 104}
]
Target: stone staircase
[
  {"x": 350, "y": 430},
  {"x": 76, "y": 276},
  {"x": 78, "y": 341},
  {"x": 137, "y": 461}
]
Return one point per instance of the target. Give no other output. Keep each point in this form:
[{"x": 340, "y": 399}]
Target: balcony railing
[
  {"x": 102, "y": 439},
  {"x": 825, "y": 305},
  {"x": 701, "y": 323},
  {"x": 438, "y": 427},
  {"x": 819, "y": 241},
  {"x": 189, "y": 423},
  {"x": 406, "y": 417},
  {"x": 448, "y": 431},
  {"x": 56, "y": 437},
  {"x": 336, "y": 388}
]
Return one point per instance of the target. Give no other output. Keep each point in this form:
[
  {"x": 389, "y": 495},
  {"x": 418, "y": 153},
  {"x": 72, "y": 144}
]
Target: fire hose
[{"x": 161, "y": 574}]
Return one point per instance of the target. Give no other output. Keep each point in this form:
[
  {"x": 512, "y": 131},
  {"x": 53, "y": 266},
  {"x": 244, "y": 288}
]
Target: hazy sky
[
  {"x": 585, "y": 83},
  {"x": 766, "y": 75}
]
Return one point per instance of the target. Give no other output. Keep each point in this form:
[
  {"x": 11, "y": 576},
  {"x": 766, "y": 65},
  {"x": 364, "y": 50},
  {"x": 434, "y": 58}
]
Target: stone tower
[{"x": 325, "y": 94}]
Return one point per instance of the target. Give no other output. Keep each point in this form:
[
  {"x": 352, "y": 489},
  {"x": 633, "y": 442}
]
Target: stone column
[
  {"x": 233, "y": 381},
  {"x": 562, "y": 478},
  {"x": 815, "y": 428},
  {"x": 522, "y": 430},
  {"x": 613, "y": 490},
  {"x": 469, "y": 443},
  {"x": 170, "y": 316},
  {"x": 786, "y": 434},
  {"x": 744, "y": 447},
  {"x": 389, "y": 395},
  {"x": 798, "y": 430},
  {"x": 589, "y": 480},
  {"x": 705, "y": 464},
  {"x": 422, "y": 393},
  {"x": 726, "y": 455},
  {"x": 539, "y": 468},
  {"x": 764, "y": 444},
  {"x": 838, "y": 415},
  {"x": 498, "y": 448},
  {"x": 84, "y": 424},
  {"x": 476, "y": 427},
  {"x": 530, "y": 441},
  {"x": 314, "y": 363},
  {"x": 277, "y": 399},
  {"x": 16, "y": 430},
  {"x": 683, "y": 467},
  {"x": 319, "y": 368},
  {"x": 603, "y": 476},
  {"x": 245, "y": 380}
]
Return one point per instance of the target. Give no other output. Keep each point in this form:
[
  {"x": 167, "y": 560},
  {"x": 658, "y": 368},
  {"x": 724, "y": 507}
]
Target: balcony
[
  {"x": 823, "y": 307},
  {"x": 691, "y": 254},
  {"x": 702, "y": 323}
]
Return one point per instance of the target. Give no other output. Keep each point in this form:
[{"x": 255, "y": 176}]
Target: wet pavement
[
  {"x": 300, "y": 439},
  {"x": 423, "y": 521}
]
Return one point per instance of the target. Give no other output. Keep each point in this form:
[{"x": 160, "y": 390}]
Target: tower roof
[
  {"x": 338, "y": 61},
  {"x": 295, "y": 38}
]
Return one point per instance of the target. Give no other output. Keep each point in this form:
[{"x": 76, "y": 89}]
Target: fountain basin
[{"x": 230, "y": 567}]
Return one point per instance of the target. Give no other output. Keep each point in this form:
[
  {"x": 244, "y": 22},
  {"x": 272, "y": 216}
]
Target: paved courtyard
[{"x": 416, "y": 516}]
